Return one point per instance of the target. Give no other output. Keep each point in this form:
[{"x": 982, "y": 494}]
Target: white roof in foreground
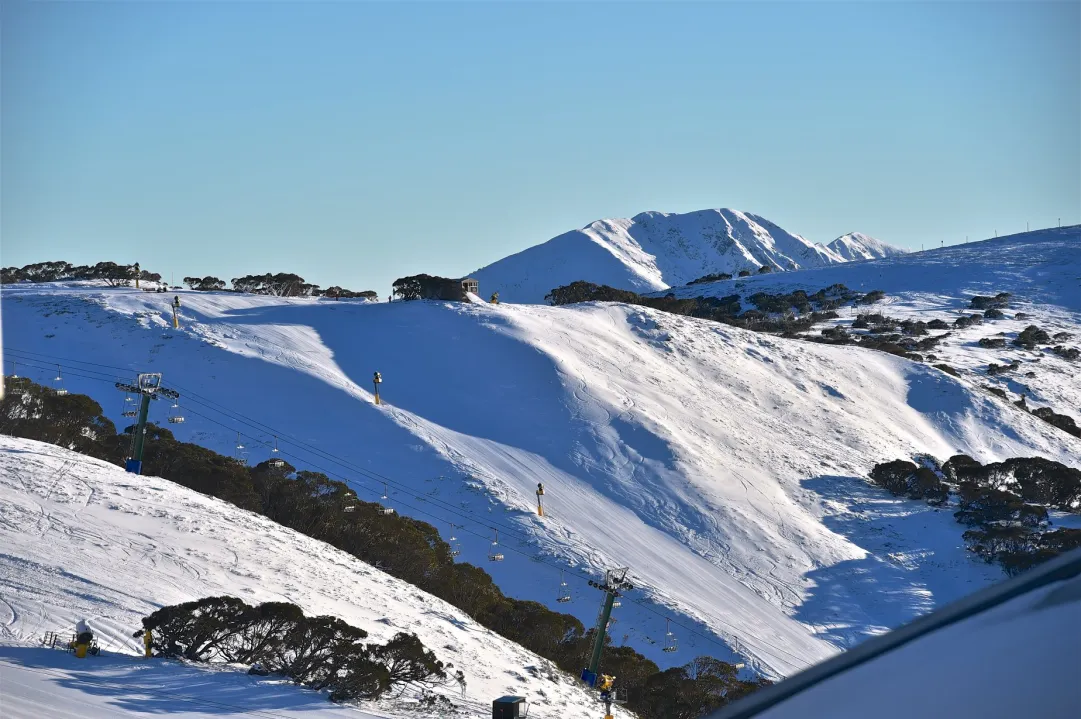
[{"x": 1012, "y": 650}]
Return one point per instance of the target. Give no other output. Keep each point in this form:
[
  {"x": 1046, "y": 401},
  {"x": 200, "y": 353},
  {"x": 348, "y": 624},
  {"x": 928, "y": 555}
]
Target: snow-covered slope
[
  {"x": 651, "y": 251},
  {"x": 84, "y": 540},
  {"x": 39, "y": 683},
  {"x": 724, "y": 467},
  {"x": 857, "y": 246},
  {"x": 1041, "y": 269}
]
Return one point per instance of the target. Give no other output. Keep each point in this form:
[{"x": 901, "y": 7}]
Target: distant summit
[
  {"x": 653, "y": 251},
  {"x": 858, "y": 246}
]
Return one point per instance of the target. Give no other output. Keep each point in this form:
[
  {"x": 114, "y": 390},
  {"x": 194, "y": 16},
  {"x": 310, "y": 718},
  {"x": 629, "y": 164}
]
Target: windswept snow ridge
[{"x": 652, "y": 251}]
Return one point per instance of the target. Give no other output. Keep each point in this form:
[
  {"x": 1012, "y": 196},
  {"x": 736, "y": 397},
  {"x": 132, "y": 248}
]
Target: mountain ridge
[{"x": 654, "y": 250}]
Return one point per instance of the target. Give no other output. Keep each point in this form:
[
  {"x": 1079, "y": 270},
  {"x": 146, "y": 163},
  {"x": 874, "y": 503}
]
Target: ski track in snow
[{"x": 724, "y": 467}]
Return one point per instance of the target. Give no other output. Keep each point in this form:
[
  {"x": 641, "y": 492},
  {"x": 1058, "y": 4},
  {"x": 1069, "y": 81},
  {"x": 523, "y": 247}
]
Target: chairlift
[
  {"x": 493, "y": 555},
  {"x": 671, "y": 644},
  {"x": 60, "y": 382},
  {"x": 276, "y": 461},
  {"x": 174, "y": 416},
  {"x": 564, "y": 595},
  {"x": 129, "y": 413},
  {"x": 241, "y": 454},
  {"x": 455, "y": 547},
  {"x": 385, "y": 491},
  {"x": 616, "y": 603}
]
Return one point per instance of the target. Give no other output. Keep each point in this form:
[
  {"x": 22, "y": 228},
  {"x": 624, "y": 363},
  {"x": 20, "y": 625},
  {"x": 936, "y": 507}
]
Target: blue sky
[{"x": 356, "y": 142}]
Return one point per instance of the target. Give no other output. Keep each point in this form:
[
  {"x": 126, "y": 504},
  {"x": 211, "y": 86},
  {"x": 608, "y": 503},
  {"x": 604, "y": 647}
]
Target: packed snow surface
[
  {"x": 651, "y": 251},
  {"x": 82, "y": 539},
  {"x": 725, "y": 468},
  {"x": 36, "y": 682}
]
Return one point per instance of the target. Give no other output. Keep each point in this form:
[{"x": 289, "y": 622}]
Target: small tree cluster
[
  {"x": 428, "y": 287},
  {"x": 282, "y": 284},
  {"x": 871, "y": 297},
  {"x": 905, "y": 479},
  {"x": 205, "y": 284},
  {"x": 321, "y": 653},
  {"x": 1004, "y": 504},
  {"x": 1066, "y": 353},
  {"x": 967, "y": 321},
  {"x": 981, "y": 302},
  {"x": 1032, "y": 336},
  {"x": 715, "y": 277}
]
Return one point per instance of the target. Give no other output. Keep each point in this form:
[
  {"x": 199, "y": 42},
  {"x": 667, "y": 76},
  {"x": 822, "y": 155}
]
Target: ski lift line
[
  {"x": 241, "y": 418},
  {"x": 322, "y": 454},
  {"x": 452, "y": 510}
]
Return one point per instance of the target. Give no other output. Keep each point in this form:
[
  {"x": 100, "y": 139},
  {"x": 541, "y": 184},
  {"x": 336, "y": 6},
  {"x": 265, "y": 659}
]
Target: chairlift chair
[
  {"x": 60, "y": 382},
  {"x": 455, "y": 546},
  {"x": 493, "y": 555},
  {"x": 276, "y": 461},
  {"x": 671, "y": 644},
  {"x": 174, "y": 416},
  {"x": 564, "y": 595}
]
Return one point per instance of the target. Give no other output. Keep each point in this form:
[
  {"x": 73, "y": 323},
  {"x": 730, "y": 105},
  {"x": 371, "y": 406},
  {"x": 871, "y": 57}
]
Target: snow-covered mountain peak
[
  {"x": 652, "y": 251},
  {"x": 856, "y": 246}
]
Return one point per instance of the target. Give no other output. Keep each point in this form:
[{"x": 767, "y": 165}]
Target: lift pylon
[
  {"x": 148, "y": 386},
  {"x": 615, "y": 582}
]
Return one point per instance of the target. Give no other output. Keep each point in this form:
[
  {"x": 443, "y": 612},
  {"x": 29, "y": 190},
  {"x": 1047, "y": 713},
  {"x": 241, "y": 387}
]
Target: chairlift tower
[
  {"x": 148, "y": 386},
  {"x": 615, "y": 582}
]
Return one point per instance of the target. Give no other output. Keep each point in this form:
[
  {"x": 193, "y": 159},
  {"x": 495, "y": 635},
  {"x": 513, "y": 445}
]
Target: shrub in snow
[
  {"x": 980, "y": 302},
  {"x": 937, "y": 325},
  {"x": 1032, "y": 336},
  {"x": 1066, "y": 353},
  {"x": 871, "y": 297},
  {"x": 1064, "y": 422},
  {"x": 992, "y": 342},
  {"x": 903, "y": 478},
  {"x": 948, "y": 370}
]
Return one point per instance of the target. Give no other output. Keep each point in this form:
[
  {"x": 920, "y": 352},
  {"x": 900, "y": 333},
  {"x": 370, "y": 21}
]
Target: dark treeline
[
  {"x": 784, "y": 313},
  {"x": 282, "y": 284},
  {"x": 412, "y": 550},
  {"x": 322, "y": 653},
  {"x": 111, "y": 273},
  {"x": 1004, "y": 503}
]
